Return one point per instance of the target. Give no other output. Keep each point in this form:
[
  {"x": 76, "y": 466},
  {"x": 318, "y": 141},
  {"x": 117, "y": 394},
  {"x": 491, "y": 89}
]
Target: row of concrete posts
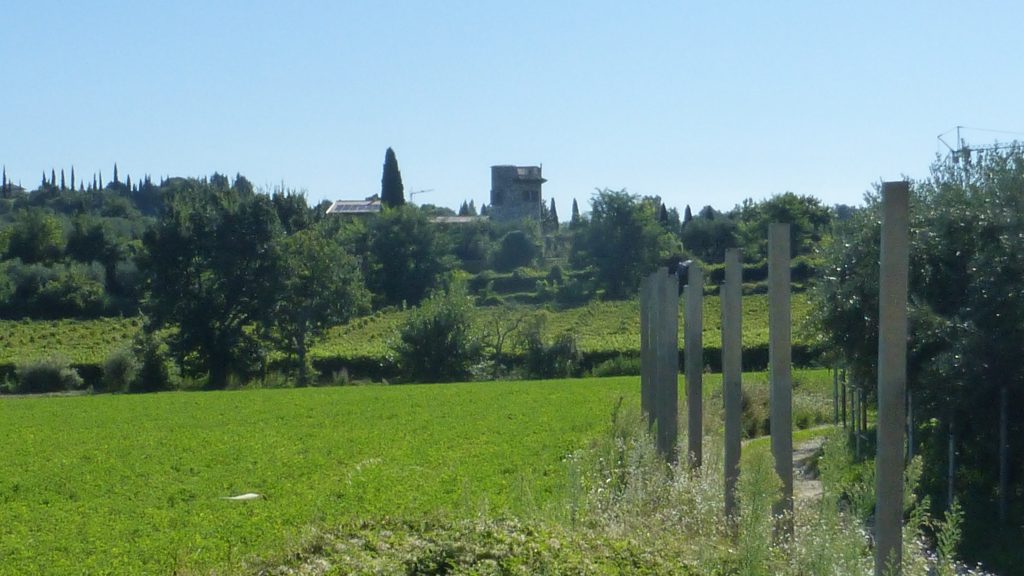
[{"x": 659, "y": 328}]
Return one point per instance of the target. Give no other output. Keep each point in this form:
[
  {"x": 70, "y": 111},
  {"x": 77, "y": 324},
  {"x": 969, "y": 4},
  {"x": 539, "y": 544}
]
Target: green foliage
[
  {"x": 405, "y": 256},
  {"x": 546, "y": 357},
  {"x": 36, "y": 235},
  {"x": 213, "y": 271},
  {"x": 516, "y": 249},
  {"x": 155, "y": 368},
  {"x": 437, "y": 343},
  {"x": 392, "y": 191},
  {"x": 809, "y": 222},
  {"x": 53, "y": 374},
  {"x": 709, "y": 235},
  {"x": 119, "y": 370},
  {"x": 966, "y": 311},
  {"x": 622, "y": 241},
  {"x": 85, "y": 475},
  {"x": 321, "y": 286}
]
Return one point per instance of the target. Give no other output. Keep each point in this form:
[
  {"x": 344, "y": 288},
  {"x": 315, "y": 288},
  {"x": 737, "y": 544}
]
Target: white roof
[{"x": 354, "y": 207}]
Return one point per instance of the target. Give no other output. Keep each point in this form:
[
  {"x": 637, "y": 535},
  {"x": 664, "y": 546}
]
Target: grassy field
[
  {"x": 134, "y": 484},
  {"x": 602, "y": 329}
]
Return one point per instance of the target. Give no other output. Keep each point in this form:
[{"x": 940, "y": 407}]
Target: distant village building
[
  {"x": 370, "y": 205},
  {"x": 516, "y": 193}
]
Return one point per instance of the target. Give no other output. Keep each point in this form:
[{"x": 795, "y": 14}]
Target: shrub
[
  {"x": 618, "y": 366},
  {"x": 119, "y": 370},
  {"x": 559, "y": 359},
  {"x": 47, "y": 375},
  {"x": 436, "y": 344},
  {"x": 516, "y": 249},
  {"x": 154, "y": 372}
]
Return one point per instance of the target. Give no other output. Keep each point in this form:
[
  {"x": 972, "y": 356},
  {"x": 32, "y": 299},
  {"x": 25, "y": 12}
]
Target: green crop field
[
  {"x": 79, "y": 341},
  {"x": 135, "y": 484},
  {"x": 601, "y": 328}
]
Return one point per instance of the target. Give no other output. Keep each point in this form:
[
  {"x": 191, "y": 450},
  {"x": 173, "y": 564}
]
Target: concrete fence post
[
  {"x": 667, "y": 384},
  {"x": 646, "y": 358},
  {"x": 693, "y": 360},
  {"x": 780, "y": 361},
  {"x": 892, "y": 377},
  {"x": 732, "y": 374}
]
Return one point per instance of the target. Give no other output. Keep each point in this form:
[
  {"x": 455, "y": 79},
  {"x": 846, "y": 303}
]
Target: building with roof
[{"x": 516, "y": 193}]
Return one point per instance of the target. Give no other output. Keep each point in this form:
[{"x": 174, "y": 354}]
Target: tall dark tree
[
  {"x": 53, "y": 177},
  {"x": 116, "y": 181},
  {"x": 392, "y": 192},
  {"x": 63, "y": 183},
  {"x": 575, "y": 214},
  {"x": 213, "y": 271},
  {"x": 72, "y": 177},
  {"x": 687, "y": 215},
  {"x": 553, "y": 215}
]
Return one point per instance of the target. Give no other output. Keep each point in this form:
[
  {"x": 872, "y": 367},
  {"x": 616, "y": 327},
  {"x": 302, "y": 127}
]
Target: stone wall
[{"x": 516, "y": 193}]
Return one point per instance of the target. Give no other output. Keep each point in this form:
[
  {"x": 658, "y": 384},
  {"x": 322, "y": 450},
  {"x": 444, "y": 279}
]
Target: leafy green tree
[
  {"x": 623, "y": 241},
  {"x": 516, "y": 249},
  {"x": 36, "y": 235},
  {"x": 213, "y": 272},
  {"x": 809, "y": 221},
  {"x": 406, "y": 256},
  {"x": 392, "y": 192},
  {"x": 709, "y": 235},
  {"x": 437, "y": 343},
  {"x": 322, "y": 286},
  {"x": 292, "y": 210},
  {"x": 966, "y": 309}
]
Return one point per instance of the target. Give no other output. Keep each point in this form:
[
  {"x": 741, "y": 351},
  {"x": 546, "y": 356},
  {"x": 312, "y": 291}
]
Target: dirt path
[{"x": 806, "y": 485}]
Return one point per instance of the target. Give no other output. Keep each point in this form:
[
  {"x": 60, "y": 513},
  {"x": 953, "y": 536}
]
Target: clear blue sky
[{"x": 701, "y": 103}]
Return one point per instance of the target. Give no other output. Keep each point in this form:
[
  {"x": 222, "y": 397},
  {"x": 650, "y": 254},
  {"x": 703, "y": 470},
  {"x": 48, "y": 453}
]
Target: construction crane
[{"x": 415, "y": 192}]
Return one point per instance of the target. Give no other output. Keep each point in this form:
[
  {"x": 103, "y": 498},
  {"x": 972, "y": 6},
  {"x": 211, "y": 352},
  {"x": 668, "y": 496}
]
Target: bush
[
  {"x": 559, "y": 359},
  {"x": 119, "y": 370},
  {"x": 47, "y": 375},
  {"x": 154, "y": 372},
  {"x": 617, "y": 366},
  {"x": 436, "y": 344},
  {"x": 517, "y": 249}
]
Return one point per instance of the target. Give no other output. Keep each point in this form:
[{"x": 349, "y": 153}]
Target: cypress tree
[
  {"x": 553, "y": 213},
  {"x": 392, "y": 192},
  {"x": 44, "y": 180},
  {"x": 115, "y": 174},
  {"x": 575, "y": 213},
  {"x": 464, "y": 209},
  {"x": 72, "y": 177},
  {"x": 128, "y": 182},
  {"x": 663, "y": 214},
  {"x": 687, "y": 215},
  {"x": 3, "y": 186},
  {"x": 63, "y": 184},
  {"x": 101, "y": 181},
  {"x": 472, "y": 208},
  {"x": 53, "y": 177}
]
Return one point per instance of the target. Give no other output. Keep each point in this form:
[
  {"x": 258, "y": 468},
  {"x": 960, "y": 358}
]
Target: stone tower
[{"x": 516, "y": 193}]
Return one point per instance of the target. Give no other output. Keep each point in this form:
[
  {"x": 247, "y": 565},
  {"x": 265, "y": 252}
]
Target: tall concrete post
[
  {"x": 780, "y": 361},
  {"x": 892, "y": 377},
  {"x": 732, "y": 370},
  {"x": 646, "y": 358},
  {"x": 694, "y": 363},
  {"x": 667, "y": 387}
]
